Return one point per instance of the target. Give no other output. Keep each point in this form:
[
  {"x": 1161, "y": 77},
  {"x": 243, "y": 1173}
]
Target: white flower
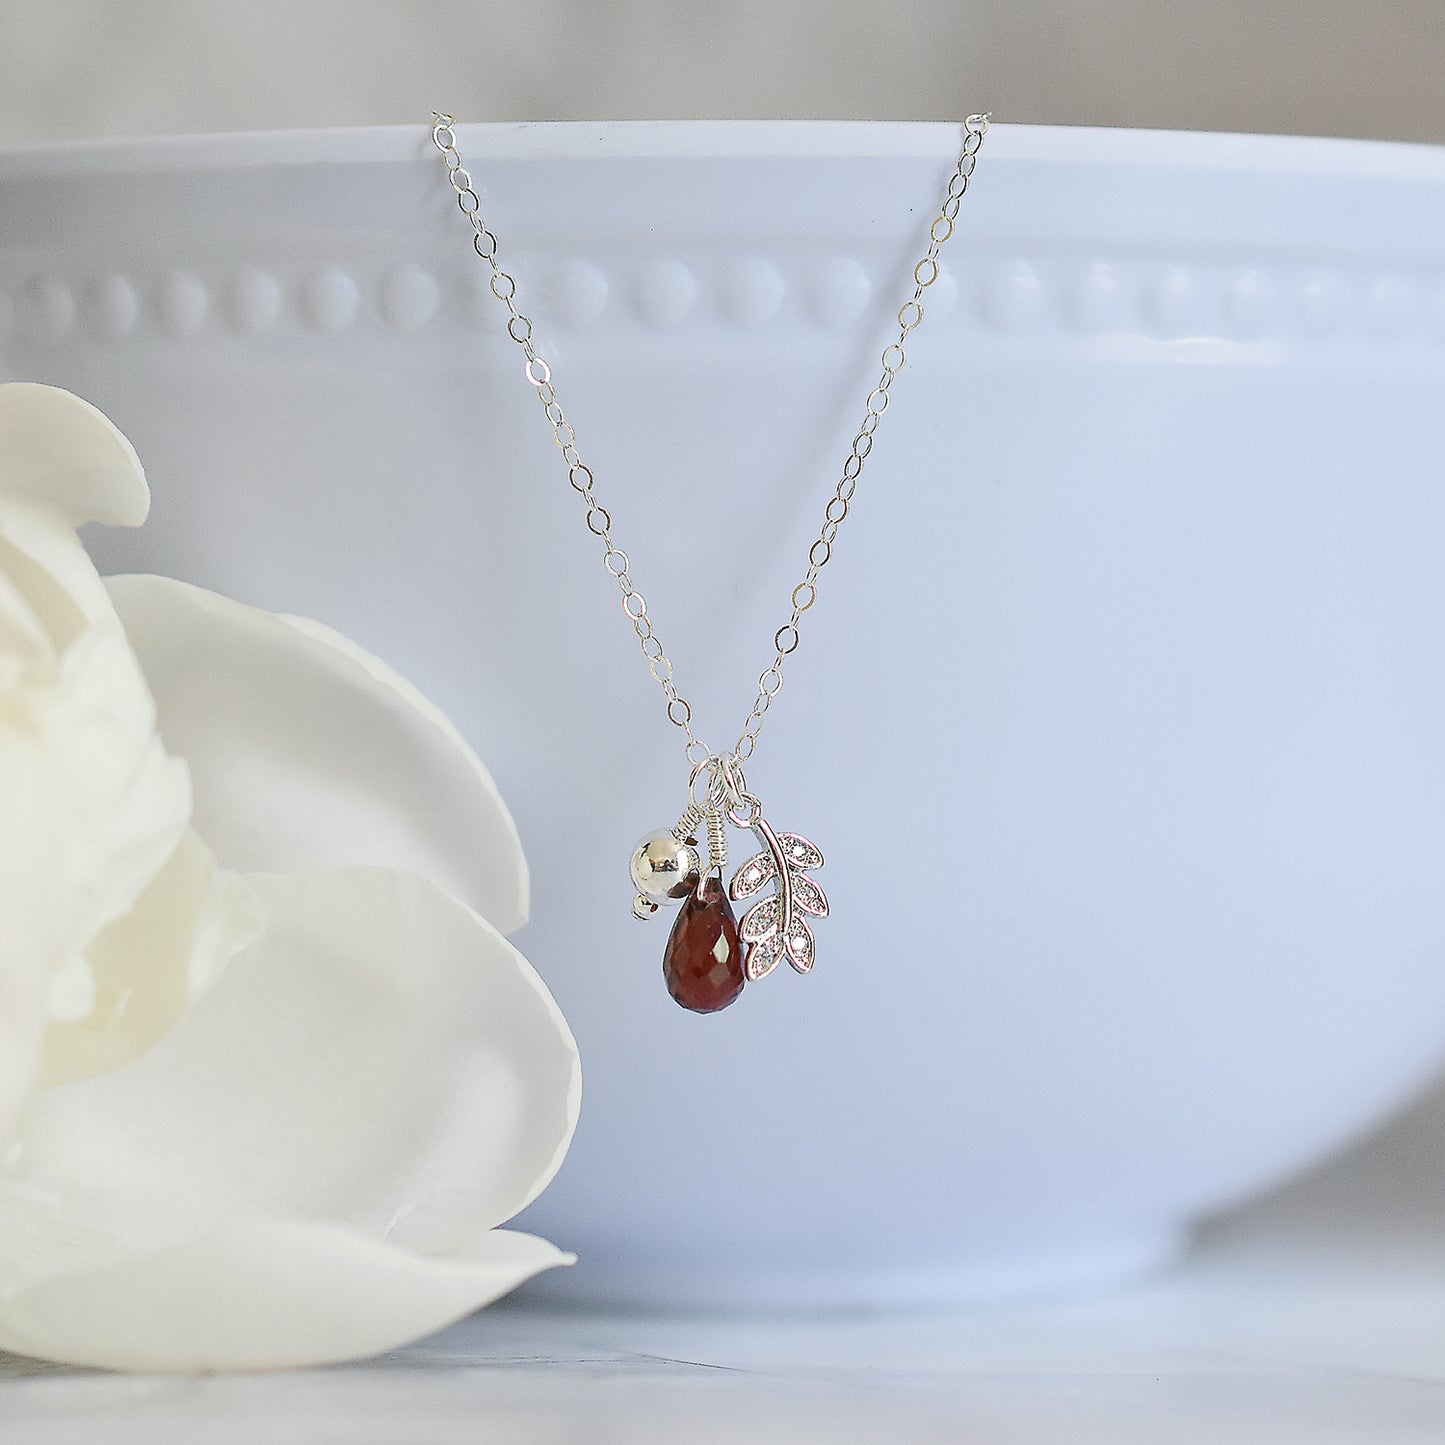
[{"x": 270, "y": 1075}]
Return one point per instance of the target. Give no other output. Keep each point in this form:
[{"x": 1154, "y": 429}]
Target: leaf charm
[
  {"x": 761, "y": 919},
  {"x": 802, "y": 855},
  {"x": 809, "y": 897},
  {"x": 763, "y": 957},
  {"x": 775, "y": 928},
  {"x": 799, "y": 945},
  {"x": 752, "y": 874}
]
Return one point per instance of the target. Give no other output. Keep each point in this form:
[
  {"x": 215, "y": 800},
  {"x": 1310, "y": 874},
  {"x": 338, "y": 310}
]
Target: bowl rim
[{"x": 1144, "y": 149}]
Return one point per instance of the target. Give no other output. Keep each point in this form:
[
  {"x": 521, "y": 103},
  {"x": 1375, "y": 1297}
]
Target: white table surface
[{"x": 1317, "y": 1316}]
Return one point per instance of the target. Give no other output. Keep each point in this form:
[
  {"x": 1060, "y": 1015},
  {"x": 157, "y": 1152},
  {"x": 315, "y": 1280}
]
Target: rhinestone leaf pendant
[{"x": 776, "y": 927}]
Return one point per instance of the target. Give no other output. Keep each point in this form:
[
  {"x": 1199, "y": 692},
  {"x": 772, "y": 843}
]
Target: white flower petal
[
  {"x": 264, "y": 1294},
  {"x": 42, "y": 557},
  {"x": 146, "y": 968},
  {"x": 111, "y": 806},
  {"x": 22, "y": 1026},
  {"x": 93, "y": 807},
  {"x": 306, "y": 753},
  {"x": 32, "y": 633},
  {"x": 70, "y": 455},
  {"x": 72, "y": 990},
  {"x": 380, "y": 1057}
]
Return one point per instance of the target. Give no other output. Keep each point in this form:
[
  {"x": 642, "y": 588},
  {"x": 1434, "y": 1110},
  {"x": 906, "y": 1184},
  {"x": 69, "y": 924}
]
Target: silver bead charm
[{"x": 664, "y": 869}]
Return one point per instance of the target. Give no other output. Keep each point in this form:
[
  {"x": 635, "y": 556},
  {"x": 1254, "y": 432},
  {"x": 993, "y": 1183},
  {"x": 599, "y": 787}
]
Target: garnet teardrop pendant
[
  {"x": 710, "y": 954},
  {"x": 703, "y": 964}
]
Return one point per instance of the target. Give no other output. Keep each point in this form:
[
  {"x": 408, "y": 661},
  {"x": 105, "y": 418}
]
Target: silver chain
[{"x": 599, "y": 519}]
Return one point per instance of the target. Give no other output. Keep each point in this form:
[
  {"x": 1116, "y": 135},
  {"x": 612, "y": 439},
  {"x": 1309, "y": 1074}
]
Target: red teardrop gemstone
[{"x": 703, "y": 964}]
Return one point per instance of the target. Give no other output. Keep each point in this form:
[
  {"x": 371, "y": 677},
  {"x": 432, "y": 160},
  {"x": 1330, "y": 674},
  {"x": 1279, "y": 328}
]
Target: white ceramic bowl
[{"x": 1120, "y": 715}]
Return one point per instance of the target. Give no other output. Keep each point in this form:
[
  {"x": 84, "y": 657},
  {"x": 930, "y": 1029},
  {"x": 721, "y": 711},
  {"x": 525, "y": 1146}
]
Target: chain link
[{"x": 599, "y": 519}]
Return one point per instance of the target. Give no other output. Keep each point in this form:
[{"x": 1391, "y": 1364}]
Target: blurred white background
[{"x": 1339, "y": 67}]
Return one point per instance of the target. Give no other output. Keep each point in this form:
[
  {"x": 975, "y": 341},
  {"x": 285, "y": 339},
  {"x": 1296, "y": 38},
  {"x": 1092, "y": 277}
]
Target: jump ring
[
  {"x": 735, "y": 785},
  {"x": 745, "y": 812}
]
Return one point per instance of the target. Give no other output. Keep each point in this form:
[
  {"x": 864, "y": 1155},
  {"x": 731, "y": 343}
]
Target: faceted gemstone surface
[{"x": 703, "y": 964}]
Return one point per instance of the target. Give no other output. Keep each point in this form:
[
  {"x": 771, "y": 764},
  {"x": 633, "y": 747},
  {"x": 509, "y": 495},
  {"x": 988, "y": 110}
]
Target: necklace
[{"x": 710, "y": 954}]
